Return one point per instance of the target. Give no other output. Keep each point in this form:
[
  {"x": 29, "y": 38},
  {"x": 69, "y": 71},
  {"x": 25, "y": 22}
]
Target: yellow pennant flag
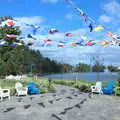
[
  {"x": 98, "y": 28},
  {"x": 105, "y": 43},
  {"x": 73, "y": 44},
  {"x": 101, "y": 42},
  {"x": 19, "y": 43}
]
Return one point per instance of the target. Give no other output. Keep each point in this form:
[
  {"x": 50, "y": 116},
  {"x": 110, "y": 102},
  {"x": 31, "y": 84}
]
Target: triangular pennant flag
[
  {"x": 90, "y": 27},
  {"x": 61, "y": 45},
  {"x": 14, "y": 45},
  {"x": 34, "y": 27},
  {"x": 47, "y": 41},
  {"x": 82, "y": 14},
  {"x": 81, "y": 43},
  {"x": 105, "y": 43},
  {"x": 30, "y": 36},
  {"x": 68, "y": 34},
  {"x": 52, "y": 31},
  {"x": 84, "y": 17},
  {"x": 98, "y": 28},
  {"x": 90, "y": 43},
  {"x": 11, "y": 36},
  {"x": 10, "y": 22},
  {"x": 2, "y": 43},
  {"x": 30, "y": 43},
  {"x": 110, "y": 34},
  {"x": 118, "y": 37},
  {"x": 73, "y": 44}
]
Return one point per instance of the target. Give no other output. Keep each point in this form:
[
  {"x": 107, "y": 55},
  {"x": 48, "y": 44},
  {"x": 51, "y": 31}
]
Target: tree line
[{"x": 97, "y": 67}]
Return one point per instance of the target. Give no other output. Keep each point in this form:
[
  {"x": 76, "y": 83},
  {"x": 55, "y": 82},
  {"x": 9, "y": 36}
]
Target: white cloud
[
  {"x": 34, "y": 20},
  {"x": 112, "y": 8},
  {"x": 111, "y": 13},
  {"x": 30, "y": 20},
  {"x": 79, "y": 32},
  {"x": 50, "y": 1},
  {"x": 104, "y": 18}
]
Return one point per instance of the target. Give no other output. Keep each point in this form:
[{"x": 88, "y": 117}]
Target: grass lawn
[{"x": 45, "y": 85}]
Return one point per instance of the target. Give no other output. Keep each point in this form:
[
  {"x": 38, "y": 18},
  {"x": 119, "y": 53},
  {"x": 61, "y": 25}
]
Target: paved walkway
[{"x": 66, "y": 104}]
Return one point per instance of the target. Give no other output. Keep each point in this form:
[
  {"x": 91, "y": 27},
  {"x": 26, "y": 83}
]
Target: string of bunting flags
[
  {"x": 83, "y": 40},
  {"x": 91, "y": 23}
]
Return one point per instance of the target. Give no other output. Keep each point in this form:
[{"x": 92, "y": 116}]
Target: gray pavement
[{"x": 66, "y": 104}]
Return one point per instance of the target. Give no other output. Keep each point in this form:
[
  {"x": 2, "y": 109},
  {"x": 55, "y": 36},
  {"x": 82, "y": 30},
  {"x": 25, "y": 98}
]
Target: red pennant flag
[
  {"x": 84, "y": 17},
  {"x": 52, "y": 31},
  {"x": 61, "y": 45},
  {"x": 10, "y": 22},
  {"x": 68, "y": 34},
  {"x": 11, "y": 36},
  {"x": 89, "y": 43},
  {"x": 47, "y": 41},
  {"x": 110, "y": 34}
]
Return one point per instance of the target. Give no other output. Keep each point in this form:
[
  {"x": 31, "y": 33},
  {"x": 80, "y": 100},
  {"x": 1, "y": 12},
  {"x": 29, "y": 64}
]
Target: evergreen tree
[{"x": 17, "y": 58}]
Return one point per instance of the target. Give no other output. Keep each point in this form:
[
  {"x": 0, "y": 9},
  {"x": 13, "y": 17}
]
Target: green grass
[{"x": 44, "y": 86}]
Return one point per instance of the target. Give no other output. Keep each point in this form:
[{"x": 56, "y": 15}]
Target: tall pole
[
  {"x": 89, "y": 57},
  {"x": 98, "y": 72},
  {"x": 76, "y": 78},
  {"x": 61, "y": 69},
  {"x": 91, "y": 63}
]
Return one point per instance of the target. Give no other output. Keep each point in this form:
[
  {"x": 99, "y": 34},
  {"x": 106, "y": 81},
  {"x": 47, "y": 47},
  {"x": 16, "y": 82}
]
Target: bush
[
  {"x": 84, "y": 88},
  {"x": 76, "y": 86},
  {"x": 51, "y": 89},
  {"x": 63, "y": 82}
]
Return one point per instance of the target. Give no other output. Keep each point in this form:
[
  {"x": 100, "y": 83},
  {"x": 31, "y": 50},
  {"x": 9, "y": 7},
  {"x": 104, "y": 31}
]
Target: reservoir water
[{"x": 103, "y": 76}]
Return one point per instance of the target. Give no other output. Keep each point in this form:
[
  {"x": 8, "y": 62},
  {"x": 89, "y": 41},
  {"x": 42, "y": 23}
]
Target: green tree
[
  {"x": 98, "y": 67},
  {"x": 112, "y": 68},
  {"x": 82, "y": 67},
  {"x": 18, "y": 59}
]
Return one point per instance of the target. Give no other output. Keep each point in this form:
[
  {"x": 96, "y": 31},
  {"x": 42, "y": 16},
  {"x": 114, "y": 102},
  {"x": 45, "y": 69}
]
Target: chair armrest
[
  {"x": 5, "y": 90},
  {"x": 93, "y": 87},
  {"x": 22, "y": 89},
  {"x": 117, "y": 88}
]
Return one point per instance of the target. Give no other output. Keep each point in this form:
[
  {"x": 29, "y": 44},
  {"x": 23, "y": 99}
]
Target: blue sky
[
  {"x": 53, "y": 12},
  {"x": 58, "y": 14}
]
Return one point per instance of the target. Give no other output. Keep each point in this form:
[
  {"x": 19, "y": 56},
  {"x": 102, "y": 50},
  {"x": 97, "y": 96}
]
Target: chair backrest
[
  {"x": 31, "y": 85},
  {"x": 9, "y": 77},
  {"x": 18, "y": 85},
  {"x": 99, "y": 85},
  {"x": 111, "y": 84}
]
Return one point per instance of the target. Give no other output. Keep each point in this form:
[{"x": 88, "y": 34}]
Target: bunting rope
[{"x": 91, "y": 21}]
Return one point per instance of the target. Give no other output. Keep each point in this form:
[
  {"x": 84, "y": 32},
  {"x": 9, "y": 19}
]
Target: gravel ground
[{"x": 66, "y": 104}]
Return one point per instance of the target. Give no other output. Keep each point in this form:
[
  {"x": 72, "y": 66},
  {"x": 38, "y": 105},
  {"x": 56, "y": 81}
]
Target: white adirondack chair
[
  {"x": 20, "y": 89},
  {"x": 97, "y": 88},
  {"x": 4, "y": 93}
]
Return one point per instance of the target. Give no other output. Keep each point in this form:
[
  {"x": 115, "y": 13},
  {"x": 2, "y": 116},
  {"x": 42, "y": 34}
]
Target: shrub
[
  {"x": 84, "y": 88},
  {"x": 52, "y": 89}
]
